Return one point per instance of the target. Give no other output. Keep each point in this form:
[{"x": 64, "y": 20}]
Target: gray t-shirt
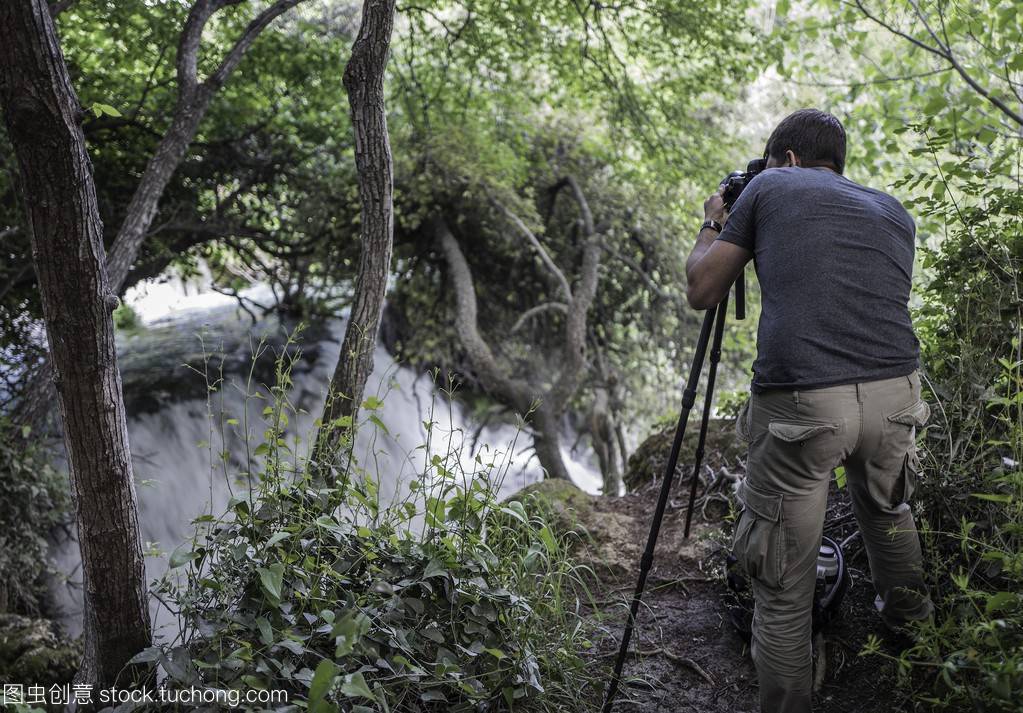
[{"x": 835, "y": 265}]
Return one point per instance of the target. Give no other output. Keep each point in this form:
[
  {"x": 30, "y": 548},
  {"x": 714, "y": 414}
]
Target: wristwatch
[{"x": 712, "y": 224}]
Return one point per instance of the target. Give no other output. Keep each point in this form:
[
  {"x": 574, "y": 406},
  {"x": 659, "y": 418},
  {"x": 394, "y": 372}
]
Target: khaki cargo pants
[{"x": 796, "y": 439}]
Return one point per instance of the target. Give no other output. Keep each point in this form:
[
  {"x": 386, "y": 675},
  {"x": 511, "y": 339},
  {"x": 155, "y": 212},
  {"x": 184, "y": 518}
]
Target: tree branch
[
  {"x": 534, "y": 311},
  {"x": 492, "y": 377},
  {"x": 193, "y": 101},
  {"x": 944, "y": 51},
  {"x": 566, "y": 289},
  {"x": 579, "y": 305},
  {"x": 188, "y": 47},
  {"x": 255, "y": 27}
]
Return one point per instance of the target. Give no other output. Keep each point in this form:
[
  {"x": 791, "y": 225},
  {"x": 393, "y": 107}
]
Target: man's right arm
[{"x": 714, "y": 264}]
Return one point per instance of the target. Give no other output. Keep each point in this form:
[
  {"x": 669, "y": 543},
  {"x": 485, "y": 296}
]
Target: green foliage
[
  {"x": 35, "y": 501},
  {"x": 641, "y": 70},
  {"x": 971, "y": 502},
  {"x": 126, "y": 318},
  {"x": 942, "y": 133},
  {"x": 447, "y": 600}
]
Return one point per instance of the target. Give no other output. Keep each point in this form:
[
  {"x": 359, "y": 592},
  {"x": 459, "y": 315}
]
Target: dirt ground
[{"x": 687, "y": 655}]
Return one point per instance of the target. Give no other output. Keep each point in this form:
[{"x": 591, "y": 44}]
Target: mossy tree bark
[
  {"x": 364, "y": 83},
  {"x": 42, "y": 115}
]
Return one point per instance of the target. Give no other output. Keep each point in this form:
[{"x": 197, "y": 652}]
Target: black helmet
[{"x": 832, "y": 584}]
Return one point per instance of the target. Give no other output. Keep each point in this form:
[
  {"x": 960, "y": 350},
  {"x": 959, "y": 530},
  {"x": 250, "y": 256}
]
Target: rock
[
  {"x": 649, "y": 460},
  {"x": 33, "y": 652},
  {"x": 158, "y": 362},
  {"x": 558, "y": 501}
]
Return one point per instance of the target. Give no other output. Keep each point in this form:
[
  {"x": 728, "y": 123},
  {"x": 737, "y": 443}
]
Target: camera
[{"x": 736, "y": 181}]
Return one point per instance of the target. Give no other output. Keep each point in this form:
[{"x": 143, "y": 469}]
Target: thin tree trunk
[
  {"x": 517, "y": 393},
  {"x": 364, "y": 82},
  {"x": 42, "y": 115},
  {"x": 547, "y": 442}
]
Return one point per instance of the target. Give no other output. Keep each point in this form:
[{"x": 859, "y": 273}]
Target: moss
[
  {"x": 33, "y": 652},
  {"x": 560, "y": 502},
  {"x": 127, "y": 319},
  {"x": 650, "y": 459}
]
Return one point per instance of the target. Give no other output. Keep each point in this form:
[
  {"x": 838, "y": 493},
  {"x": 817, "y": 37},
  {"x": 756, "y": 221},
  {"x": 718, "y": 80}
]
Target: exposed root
[{"x": 681, "y": 660}]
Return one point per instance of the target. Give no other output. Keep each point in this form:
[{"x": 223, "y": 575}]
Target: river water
[{"x": 175, "y": 430}]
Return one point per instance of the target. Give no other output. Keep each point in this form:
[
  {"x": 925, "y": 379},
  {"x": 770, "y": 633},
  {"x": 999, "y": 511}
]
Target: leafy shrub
[
  {"x": 35, "y": 501},
  {"x": 971, "y": 502},
  {"x": 447, "y": 601}
]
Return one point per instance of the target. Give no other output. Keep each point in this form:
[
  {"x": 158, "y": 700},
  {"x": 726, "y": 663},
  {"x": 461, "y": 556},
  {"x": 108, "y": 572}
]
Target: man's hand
[
  {"x": 714, "y": 264},
  {"x": 714, "y": 207}
]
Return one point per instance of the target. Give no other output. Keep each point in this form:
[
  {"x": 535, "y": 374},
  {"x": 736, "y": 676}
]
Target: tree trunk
[
  {"x": 517, "y": 393},
  {"x": 547, "y": 442},
  {"x": 364, "y": 82},
  {"x": 42, "y": 116}
]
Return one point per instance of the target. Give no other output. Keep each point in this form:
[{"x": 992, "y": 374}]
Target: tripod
[{"x": 714, "y": 318}]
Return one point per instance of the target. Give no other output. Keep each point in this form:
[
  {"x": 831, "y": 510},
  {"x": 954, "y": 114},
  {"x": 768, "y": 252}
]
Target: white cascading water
[{"x": 172, "y": 461}]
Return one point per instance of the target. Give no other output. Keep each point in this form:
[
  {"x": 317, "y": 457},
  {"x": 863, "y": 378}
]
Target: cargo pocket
[
  {"x": 799, "y": 431},
  {"x": 759, "y": 543},
  {"x": 908, "y": 477},
  {"x": 914, "y": 416},
  {"x": 743, "y": 427}
]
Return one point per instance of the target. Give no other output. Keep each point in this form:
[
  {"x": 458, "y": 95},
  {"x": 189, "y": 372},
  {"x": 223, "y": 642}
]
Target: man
[{"x": 835, "y": 382}]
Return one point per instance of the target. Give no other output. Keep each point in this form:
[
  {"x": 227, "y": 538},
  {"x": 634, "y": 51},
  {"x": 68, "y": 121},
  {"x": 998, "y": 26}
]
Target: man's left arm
[{"x": 715, "y": 264}]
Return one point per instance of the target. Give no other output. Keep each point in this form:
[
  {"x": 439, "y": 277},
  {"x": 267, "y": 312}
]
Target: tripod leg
[
  {"x": 688, "y": 399},
  {"x": 708, "y": 397},
  {"x": 740, "y": 296}
]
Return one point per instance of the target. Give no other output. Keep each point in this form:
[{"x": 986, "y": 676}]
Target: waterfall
[{"x": 175, "y": 433}]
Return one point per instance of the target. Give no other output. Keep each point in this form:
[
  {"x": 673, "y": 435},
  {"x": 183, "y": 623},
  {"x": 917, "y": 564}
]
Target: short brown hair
[{"x": 816, "y": 136}]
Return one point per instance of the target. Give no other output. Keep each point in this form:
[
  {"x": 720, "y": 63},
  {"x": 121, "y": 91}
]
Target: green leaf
[
  {"x": 435, "y": 568},
  {"x": 277, "y": 537},
  {"x": 182, "y": 555},
  {"x": 348, "y": 630},
  {"x": 148, "y": 655},
  {"x": 272, "y": 579},
  {"x": 1000, "y": 600},
  {"x": 992, "y": 497},
  {"x": 355, "y": 685},
  {"x": 99, "y": 109},
  {"x": 266, "y": 632},
  {"x": 548, "y": 539},
  {"x": 840, "y": 476},
  {"x": 322, "y": 681},
  {"x": 372, "y": 403},
  {"x": 515, "y": 509},
  {"x": 497, "y": 653},
  {"x": 379, "y": 424}
]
